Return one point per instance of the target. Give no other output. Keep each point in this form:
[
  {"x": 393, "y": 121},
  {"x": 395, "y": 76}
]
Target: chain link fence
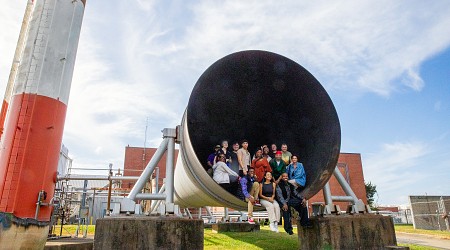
[{"x": 430, "y": 212}]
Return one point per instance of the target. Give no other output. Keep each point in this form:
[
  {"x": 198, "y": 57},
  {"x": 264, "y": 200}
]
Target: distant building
[{"x": 137, "y": 158}]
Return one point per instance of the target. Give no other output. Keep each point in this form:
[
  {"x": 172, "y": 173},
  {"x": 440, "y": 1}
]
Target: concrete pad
[
  {"x": 148, "y": 232},
  {"x": 16, "y": 236},
  {"x": 70, "y": 244},
  {"x": 362, "y": 231},
  {"x": 235, "y": 227}
]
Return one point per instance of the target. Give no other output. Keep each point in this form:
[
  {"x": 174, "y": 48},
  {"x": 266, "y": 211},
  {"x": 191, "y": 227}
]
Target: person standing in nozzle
[
  {"x": 243, "y": 158},
  {"x": 296, "y": 174},
  {"x": 249, "y": 191},
  {"x": 273, "y": 150},
  {"x": 234, "y": 165},
  {"x": 223, "y": 174},
  {"x": 224, "y": 150},
  {"x": 266, "y": 153},
  {"x": 261, "y": 166},
  {"x": 286, "y": 155},
  {"x": 210, "y": 161},
  {"x": 278, "y": 167},
  {"x": 287, "y": 197}
]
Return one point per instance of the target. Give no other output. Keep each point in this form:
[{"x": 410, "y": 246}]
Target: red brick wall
[
  {"x": 136, "y": 160},
  {"x": 350, "y": 166}
]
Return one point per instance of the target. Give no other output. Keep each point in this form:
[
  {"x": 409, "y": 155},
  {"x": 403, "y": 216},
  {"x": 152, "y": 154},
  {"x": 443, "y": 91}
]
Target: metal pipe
[
  {"x": 156, "y": 204},
  {"x": 170, "y": 169},
  {"x": 226, "y": 214},
  {"x": 157, "y": 178},
  {"x": 154, "y": 190},
  {"x": 115, "y": 169},
  {"x": 108, "y": 207},
  {"x": 92, "y": 205},
  {"x": 148, "y": 196},
  {"x": 345, "y": 186},
  {"x": 95, "y": 177},
  {"x": 38, "y": 204},
  {"x": 148, "y": 170},
  {"x": 327, "y": 194},
  {"x": 342, "y": 198}
]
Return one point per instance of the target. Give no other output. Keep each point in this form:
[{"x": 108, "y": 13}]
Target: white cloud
[
  {"x": 406, "y": 168},
  {"x": 347, "y": 45},
  {"x": 139, "y": 59},
  {"x": 397, "y": 156}
]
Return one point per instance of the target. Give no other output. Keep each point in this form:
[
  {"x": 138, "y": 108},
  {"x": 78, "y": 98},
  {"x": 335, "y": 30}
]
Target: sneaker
[
  {"x": 257, "y": 203},
  {"x": 275, "y": 227},
  {"x": 251, "y": 221},
  {"x": 272, "y": 227}
]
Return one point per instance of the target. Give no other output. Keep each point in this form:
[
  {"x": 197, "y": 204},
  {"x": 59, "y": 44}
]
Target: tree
[{"x": 371, "y": 190}]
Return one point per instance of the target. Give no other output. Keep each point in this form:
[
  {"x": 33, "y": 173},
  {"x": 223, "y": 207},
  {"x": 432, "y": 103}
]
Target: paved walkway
[{"x": 422, "y": 240}]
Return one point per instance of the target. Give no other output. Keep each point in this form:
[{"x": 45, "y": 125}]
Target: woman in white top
[{"x": 222, "y": 173}]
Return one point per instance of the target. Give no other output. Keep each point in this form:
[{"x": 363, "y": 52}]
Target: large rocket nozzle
[{"x": 262, "y": 97}]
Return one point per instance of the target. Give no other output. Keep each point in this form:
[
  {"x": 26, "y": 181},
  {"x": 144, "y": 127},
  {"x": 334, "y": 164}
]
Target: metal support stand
[
  {"x": 226, "y": 214},
  {"x": 108, "y": 206},
  {"x": 128, "y": 204},
  {"x": 357, "y": 204}
]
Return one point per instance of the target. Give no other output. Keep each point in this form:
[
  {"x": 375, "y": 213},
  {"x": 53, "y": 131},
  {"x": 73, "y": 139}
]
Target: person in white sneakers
[
  {"x": 267, "y": 199},
  {"x": 248, "y": 191}
]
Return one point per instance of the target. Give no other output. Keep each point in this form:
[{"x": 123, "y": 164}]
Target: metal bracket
[
  {"x": 128, "y": 204},
  {"x": 357, "y": 205}
]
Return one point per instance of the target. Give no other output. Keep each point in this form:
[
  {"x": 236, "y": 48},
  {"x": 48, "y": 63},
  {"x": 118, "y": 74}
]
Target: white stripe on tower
[{"x": 15, "y": 65}]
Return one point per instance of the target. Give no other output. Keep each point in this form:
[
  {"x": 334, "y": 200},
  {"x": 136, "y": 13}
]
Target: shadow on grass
[{"x": 264, "y": 239}]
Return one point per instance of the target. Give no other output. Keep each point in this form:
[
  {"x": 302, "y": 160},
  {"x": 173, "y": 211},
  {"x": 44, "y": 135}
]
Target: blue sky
[{"x": 385, "y": 64}]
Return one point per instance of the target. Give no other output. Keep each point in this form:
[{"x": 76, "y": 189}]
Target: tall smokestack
[{"x": 36, "y": 102}]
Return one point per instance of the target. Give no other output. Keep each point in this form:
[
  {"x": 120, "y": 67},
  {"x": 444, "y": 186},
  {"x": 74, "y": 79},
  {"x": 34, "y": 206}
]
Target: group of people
[{"x": 270, "y": 178}]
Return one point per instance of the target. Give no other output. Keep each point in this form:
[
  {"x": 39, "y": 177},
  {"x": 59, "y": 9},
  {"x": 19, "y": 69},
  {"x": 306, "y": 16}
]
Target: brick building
[
  {"x": 137, "y": 158},
  {"x": 350, "y": 165}
]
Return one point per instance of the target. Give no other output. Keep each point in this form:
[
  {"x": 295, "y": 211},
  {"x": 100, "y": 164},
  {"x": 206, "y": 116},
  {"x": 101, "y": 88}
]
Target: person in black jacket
[{"x": 287, "y": 197}]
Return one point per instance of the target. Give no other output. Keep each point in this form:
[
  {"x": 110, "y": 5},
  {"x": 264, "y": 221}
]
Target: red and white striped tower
[{"x": 34, "y": 123}]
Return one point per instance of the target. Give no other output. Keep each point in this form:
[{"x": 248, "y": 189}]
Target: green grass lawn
[
  {"x": 264, "y": 239},
  {"x": 417, "y": 247},
  {"x": 410, "y": 229}
]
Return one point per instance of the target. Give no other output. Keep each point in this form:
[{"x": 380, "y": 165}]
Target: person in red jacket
[{"x": 261, "y": 165}]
